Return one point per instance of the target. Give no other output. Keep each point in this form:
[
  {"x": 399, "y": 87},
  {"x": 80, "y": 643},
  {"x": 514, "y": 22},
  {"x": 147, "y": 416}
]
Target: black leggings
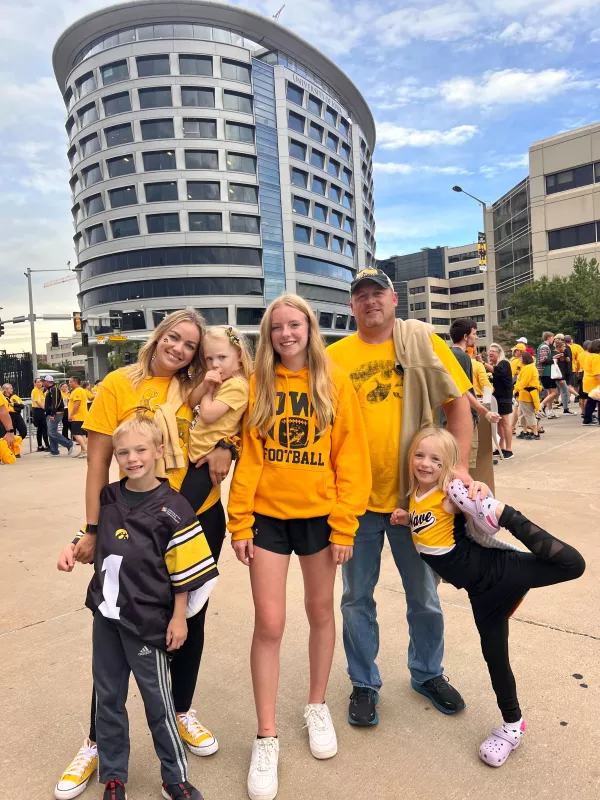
[
  {"x": 185, "y": 662},
  {"x": 589, "y": 408},
  {"x": 497, "y": 581},
  {"x": 196, "y": 485},
  {"x": 41, "y": 426}
]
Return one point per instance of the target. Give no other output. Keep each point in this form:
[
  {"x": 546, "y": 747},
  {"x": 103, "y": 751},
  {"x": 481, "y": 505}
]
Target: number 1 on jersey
[{"x": 110, "y": 590}]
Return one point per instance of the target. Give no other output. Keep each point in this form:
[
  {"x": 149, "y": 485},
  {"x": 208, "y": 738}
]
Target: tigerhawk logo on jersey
[
  {"x": 121, "y": 534},
  {"x": 172, "y": 514},
  {"x": 421, "y": 522}
]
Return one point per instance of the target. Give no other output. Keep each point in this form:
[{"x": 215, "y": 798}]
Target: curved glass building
[{"x": 217, "y": 160}]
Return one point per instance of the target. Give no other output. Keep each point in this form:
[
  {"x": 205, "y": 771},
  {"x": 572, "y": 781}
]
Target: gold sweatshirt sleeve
[
  {"x": 351, "y": 464},
  {"x": 521, "y": 381},
  {"x": 248, "y": 470}
]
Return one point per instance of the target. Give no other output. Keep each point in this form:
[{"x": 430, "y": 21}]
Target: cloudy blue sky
[{"x": 459, "y": 90}]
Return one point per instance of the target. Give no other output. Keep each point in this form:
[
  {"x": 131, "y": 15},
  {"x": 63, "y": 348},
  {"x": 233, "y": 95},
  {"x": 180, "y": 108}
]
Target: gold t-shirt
[
  {"x": 37, "y": 396},
  {"x": 371, "y": 368},
  {"x": 204, "y": 436},
  {"x": 81, "y": 413},
  {"x": 592, "y": 369}
]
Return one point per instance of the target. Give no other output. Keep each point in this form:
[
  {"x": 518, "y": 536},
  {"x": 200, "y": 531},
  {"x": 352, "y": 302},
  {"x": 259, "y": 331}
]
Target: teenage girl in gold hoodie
[{"x": 301, "y": 481}]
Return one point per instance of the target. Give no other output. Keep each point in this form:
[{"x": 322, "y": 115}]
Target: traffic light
[
  {"x": 84, "y": 339},
  {"x": 1, "y": 329},
  {"x": 77, "y": 321},
  {"x": 54, "y": 339}
]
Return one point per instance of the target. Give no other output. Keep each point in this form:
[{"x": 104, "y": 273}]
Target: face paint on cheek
[{"x": 165, "y": 341}]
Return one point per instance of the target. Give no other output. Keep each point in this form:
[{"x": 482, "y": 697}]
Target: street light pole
[
  {"x": 483, "y": 205},
  {"x": 32, "y": 315}
]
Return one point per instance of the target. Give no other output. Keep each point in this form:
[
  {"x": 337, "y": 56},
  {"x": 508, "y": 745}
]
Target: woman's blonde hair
[
  {"x": 142, "y": 369},
  {"x": 226, "y": 333},
  {"x": 448, "y": 451},
  {"x": 320, "y": 386},
  {"x": 501, "y": 354}
]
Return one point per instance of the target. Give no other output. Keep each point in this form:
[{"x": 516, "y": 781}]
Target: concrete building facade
[
  {"x": 210, "y": 168},
  {"x": 57, "y": 356}
]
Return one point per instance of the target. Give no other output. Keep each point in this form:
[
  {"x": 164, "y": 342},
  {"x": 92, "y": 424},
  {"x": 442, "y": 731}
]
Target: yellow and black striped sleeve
[{"x": 189, "y": 560}]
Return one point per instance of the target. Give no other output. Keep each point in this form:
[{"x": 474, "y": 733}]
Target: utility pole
[{"x": 32, "y": 316}]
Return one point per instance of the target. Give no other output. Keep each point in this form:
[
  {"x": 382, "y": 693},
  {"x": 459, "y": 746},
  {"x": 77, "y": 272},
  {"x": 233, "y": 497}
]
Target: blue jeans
[
  {"x": 359, "y": 610},
  {"x": 564, "y": 393},
  {"x": 55, "y": 437}
]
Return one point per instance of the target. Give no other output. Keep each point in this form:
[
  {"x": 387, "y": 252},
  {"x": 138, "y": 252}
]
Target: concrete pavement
[{"x": 415, "y": 752}]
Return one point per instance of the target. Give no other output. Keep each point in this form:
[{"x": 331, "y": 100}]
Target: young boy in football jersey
[{"x": 150, "y": 553}]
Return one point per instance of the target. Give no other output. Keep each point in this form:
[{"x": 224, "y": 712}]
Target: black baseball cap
[{"x": 371, "y": 274}]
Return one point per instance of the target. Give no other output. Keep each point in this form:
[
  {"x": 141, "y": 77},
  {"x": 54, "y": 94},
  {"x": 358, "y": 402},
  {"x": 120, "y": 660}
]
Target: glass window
[
  {"x": 320, "y": 212},
  {"x": 162, "y": 159},
  {"x": 333, "y": 168},
  {"x": 68, "y": 98},
  {"x": 315, "y": 132},
  {"x": 200, "y": 128},
  {"x": 299, "y": 178},
  {"x": 345, "y": 151},
  {"x": 118, "y": 134},
  {"x": 353, "y": 326},
  {"x": 124, "y": 196},
  {"x": 302, "y": 234},
  {"x": 321, "y": 239},
  {"x": 123, "y": 165},
  {"x": 295, "y": 122},
  {"x": 203, "y": 190},
  {"x": 198, "y": 97},
  {"x": 297, "y": 150},
  {"x": 239, "y": 133},
  {"x": 244, "y": 223},
  {"x": 85, "y": 84},
  {"x": 349, "y": 249},
  {"x": 300, "y": 205},
  {"x": 195, "y": 65},
  {"x": 116, "y": 103},
  {"x": 201, "y": 159},
  {"x": 220, "y": 35},
  {"x": 332, "y": 141},
  {"x": 235, "y": 101},
  {"x": 159, "y": 97},
  {"x": 89, "y": 145},
  {"x": 153, "y": 65},
  {"x": 572, "y": 237},
  {"x": 570, "y": 179},
  {"x": 112, "y": 73},
  {"x": 243, "y": 193},
  {"x": 87, "y": 115},
  {"x": 157, "y": 129},
  {"x": 337, "y": 244},
  {"x": 213, "y": 316},
  {"x": 347, "y": 201},
  {"x": 331, "y": 116},
  {"x": 162, "y": 223},
  {"x": 314, "y": 105},
  {"x": 318, "y": 185},
  {"x": 235, "y": 71},
  {"x": 335, "y": 193},
  {"x": 341, "y": 322},
  {"x": 96, "y": 234},
  {"x": 249, "y": 316},
  {"x": 317, "y": 266},
  {"x": 91, "y": 175},
  {"x": 295, "y": 94},
  {"x": 344, "y": 126},
  {"x": 203, "y": 221},
  {"x": 317, "y": 159},
  {"x": 336, "y": 219},
  {"x": 158, "y": 192},
  {"x": 93, "y": 204},
  {"x": 349, "y": 225},
  {"x": 69, "y": 126},
  {"x": 124, "y": 227},
  {"x": 347, "y": 176},
  {"x": 237, "y": 162},
  {"x": 326, "y": 319}
]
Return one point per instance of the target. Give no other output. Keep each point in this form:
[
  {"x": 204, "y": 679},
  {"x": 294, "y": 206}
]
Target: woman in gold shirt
[{"x": 38, "y": 416}]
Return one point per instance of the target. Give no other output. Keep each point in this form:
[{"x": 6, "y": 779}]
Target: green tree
[
  {"x": 44, "y": 365},
  {"x": 555, "y": 304}
]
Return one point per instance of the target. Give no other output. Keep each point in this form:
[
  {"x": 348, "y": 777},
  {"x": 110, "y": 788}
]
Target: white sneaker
[
  {"x": 83, "y": 454},
  {"x": 262, "y": 775},
  {"x": 321, "y": 733},
  {"x": 74, "y": 452}
]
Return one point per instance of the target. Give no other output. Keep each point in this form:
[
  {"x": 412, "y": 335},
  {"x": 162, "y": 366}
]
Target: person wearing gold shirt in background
[
  {"x": 38, "y": 416},
  {"x": 85, "y": 385},
  {"x": 591, "y": 381},
  {"x": 480, "y": 378},
  {"x": 515, "y": 368},
  {"x": 64, "y": 390},
  {"x": 76, "y": 414}
]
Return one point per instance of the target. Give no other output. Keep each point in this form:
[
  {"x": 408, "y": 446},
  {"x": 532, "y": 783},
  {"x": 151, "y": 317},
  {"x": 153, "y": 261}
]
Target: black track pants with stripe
[{"x": 116, "y": 653}]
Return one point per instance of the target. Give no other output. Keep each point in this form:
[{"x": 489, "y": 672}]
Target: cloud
[
  {"x": 446, "y": 22},
  {"x": 508, "y": 87},
  {"x": 387, "y": 97},
  {"x": 393, "y": 168},
  {"x": 391, "y": 136},
  {"x": 517, "y": 162},
  {"x": 38, "y": 101}
]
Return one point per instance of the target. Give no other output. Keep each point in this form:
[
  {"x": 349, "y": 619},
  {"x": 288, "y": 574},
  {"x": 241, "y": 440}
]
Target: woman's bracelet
[{"x": 231, "y": 443}]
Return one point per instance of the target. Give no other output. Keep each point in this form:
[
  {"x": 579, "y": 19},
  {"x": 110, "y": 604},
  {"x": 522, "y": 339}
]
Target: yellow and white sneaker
[
  {"x": 77, "y": 775},
  {"x": 198, "y": 739}
]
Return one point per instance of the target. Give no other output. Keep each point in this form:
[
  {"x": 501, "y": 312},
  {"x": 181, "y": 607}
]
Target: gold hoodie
[{"x": 296, "y": 473}]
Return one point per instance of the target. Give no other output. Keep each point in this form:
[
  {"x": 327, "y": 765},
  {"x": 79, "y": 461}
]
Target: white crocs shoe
[{"x": 321, "y": 733}]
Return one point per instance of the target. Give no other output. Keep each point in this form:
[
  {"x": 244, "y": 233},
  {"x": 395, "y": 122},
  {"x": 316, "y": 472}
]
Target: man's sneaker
[
  {"x": 70, "y": 449},
  {"x": 262, "y": 775},
  {"x": 41, "y": 450},
  {"x": 180, "y": 791},
  {"x": 321, "y": 733},
  {"x": 523, "y": 435},
  {"x": 198, "y": 739},
  {"x": 362, "y": 710},
  {"x": 568, "y": 411},
  {"x": 76, "y": 776},
  {"x": 441, "y": 693},
  {"x": 507, "y": 454},
  {"x": 114, "y": 790}
]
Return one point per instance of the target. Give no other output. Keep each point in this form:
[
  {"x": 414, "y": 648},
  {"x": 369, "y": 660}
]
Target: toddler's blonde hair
[
  {"x": 233, "y": 337},
  {"x": 448, "y": 451}
]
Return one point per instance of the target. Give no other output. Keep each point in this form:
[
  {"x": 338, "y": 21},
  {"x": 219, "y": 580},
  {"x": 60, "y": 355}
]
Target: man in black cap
[{"x": 54, "y": 407}]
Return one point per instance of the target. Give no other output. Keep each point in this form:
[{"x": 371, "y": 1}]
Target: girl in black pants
[{"x": 496, "y": 579}]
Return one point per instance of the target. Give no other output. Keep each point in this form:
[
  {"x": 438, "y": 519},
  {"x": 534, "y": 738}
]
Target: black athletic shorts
[
  {"x": 305, "y": 537},
  {"x": 505, "y": 406},
  {"x": 77, "y": 428},
  {"x": 548, "y": 382}
]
